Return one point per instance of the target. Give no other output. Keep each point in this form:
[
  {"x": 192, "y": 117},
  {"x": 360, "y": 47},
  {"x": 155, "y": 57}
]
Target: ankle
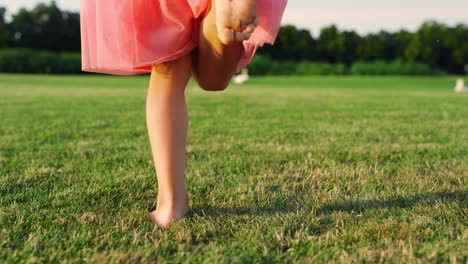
[{"x": 173, "y": 199}]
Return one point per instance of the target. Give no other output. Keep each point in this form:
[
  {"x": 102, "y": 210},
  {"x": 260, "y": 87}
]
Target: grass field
[{"x": 306, "y": 170}]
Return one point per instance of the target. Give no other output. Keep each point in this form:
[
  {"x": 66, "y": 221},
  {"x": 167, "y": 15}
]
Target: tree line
[
  {"x": 47, "y": 27},
  {"x": 434, "y": 43}
]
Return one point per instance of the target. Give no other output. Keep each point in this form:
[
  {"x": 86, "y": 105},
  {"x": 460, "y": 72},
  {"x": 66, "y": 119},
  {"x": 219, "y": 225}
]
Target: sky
[{"x": 363, "y": 16}]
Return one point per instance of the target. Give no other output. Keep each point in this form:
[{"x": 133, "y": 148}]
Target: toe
[
  {"x": 237, "y": 25},
  {"x": 239, "y": 36},
  {"x": 246, "y": 35},
  {"x": 226, "y": 35},
  {"x": 250, "y": 28},
  {"x": 256, "y": 21},
  {"x": 154, "y": 219}
]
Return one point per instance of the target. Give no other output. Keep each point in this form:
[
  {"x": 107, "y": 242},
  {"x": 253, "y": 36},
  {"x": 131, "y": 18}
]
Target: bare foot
[
  {"x": 169, "y": 211},
  {"x": 235, "y": 19}
]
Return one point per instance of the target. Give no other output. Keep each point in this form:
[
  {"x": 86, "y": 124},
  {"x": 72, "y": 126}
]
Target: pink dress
[{"x": 125, "y": 37}]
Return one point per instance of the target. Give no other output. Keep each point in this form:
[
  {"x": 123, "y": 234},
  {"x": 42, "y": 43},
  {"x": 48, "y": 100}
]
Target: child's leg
[
  {"x": 214, "y": 63},
  {"x": 167, "y": 122}
]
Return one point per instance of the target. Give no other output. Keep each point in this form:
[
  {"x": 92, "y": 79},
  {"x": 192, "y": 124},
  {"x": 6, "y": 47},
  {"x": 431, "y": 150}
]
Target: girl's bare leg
[
  {"x": 167, "y": 122},
  {"x": 216, "y": 58},
  {"x": 214, "y": 63}
]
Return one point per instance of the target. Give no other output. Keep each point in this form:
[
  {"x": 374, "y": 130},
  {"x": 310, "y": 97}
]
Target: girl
[{"x": 174, "y": 39}]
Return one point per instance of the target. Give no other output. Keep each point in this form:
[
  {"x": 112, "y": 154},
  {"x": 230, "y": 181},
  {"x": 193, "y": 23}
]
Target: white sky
[{"x": 361, "y": 15}]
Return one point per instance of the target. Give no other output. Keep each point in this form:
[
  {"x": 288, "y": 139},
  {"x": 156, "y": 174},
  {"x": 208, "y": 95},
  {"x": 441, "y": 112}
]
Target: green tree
[
  {"x": 389, "y": 45},
  {"x": 4, "y": 29},
  {"x": 427, "y": 45},
  {"x": 330, "y": 45},
  {"x": 371, "y": 48},
  {"x": 46, "y": 27},
  {"x": 291, "y": 44},
  {"x": 456, "y": 41},
  {"x": 351, "y": 43},
  {"x": 402, "y": 39}
]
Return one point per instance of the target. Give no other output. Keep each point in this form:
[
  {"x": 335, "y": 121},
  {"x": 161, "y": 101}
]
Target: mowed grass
[{"x": 284, "y": 169}]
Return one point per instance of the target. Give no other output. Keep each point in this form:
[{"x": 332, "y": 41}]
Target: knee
[
  {"x": 211, "y": 79},
  {"x": 213, "y": 85},
  {"x": 174, "y": 67}
]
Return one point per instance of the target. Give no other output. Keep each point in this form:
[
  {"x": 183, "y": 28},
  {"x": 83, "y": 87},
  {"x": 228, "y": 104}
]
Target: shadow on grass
[
  {"x": 394, "y": 202},
  {"x": 353, "y": 206}
]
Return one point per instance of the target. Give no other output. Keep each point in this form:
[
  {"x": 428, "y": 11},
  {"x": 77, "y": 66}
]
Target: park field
[{"x": 282, "y": 169}]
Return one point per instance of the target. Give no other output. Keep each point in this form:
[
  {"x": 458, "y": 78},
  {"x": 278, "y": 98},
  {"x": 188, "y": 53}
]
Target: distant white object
[
  {"x": 460, "y": 87},
  {"x": 241, "y": 78}
]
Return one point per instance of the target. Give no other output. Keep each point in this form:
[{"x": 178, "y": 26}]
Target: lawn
[{"x": 282, "y": 169}]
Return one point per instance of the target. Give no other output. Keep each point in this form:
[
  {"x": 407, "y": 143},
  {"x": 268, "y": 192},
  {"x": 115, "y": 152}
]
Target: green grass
[{"x": 306, "y": 170}]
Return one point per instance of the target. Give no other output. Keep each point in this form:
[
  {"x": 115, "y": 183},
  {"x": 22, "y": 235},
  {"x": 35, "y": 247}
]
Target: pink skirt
[{"x": 126, "y": 37}]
